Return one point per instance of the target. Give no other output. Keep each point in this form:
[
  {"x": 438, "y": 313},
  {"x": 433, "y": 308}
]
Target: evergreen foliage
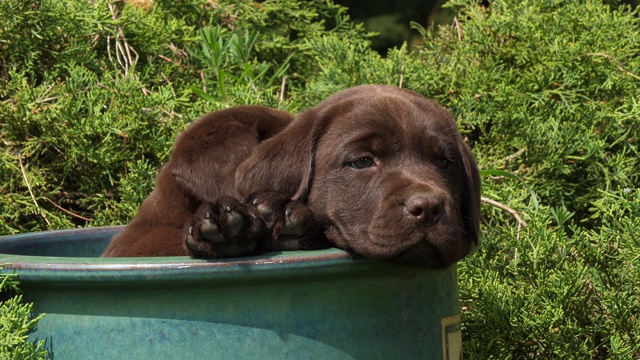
[
  {"x": 93, "y": 93},
  {"x": 16, "y": 321}
]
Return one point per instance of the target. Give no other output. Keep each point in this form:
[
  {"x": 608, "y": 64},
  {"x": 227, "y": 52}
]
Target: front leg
[{"x": 266, "y": 221}]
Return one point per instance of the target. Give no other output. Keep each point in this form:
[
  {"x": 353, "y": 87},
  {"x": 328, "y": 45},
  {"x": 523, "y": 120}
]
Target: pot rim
[{"x": 175, "y": 270}]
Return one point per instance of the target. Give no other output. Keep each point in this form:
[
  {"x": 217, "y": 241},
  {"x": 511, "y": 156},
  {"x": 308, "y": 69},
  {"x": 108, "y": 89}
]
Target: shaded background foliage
[{"x": 93, "y": 93}]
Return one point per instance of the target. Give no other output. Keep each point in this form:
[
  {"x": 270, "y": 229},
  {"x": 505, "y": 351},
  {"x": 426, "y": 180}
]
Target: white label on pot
[{"x": 451, "y": 338}]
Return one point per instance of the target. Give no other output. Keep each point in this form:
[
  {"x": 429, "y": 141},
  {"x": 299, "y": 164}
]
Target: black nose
[{"x": 425, "y": 207}]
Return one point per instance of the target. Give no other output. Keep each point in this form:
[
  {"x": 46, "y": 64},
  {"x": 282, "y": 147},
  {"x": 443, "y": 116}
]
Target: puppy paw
[
  {"x": 290, "y": 225},
  {"x": 225, "y": 228}
]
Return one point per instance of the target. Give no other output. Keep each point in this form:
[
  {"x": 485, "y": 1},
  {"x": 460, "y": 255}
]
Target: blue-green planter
[{"x": 289, "y": 305}]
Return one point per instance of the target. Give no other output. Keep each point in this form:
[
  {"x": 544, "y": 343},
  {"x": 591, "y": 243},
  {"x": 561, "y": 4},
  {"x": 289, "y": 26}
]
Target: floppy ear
[
  {"x": 205, "y": 156},
  {"x": 470, "y": 199},
  {"x": 286, "y": 161}
]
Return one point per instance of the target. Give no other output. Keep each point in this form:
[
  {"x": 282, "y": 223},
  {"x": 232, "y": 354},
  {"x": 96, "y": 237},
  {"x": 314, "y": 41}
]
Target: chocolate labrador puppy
[{"x": 379, "y": 171}]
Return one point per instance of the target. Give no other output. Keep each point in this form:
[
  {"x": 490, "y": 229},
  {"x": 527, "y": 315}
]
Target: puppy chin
[
  {"x": 417, "y": 254},
  {"x": 422, "y": 256},
  {"x": 414, "y": 251},
  {"x": 428, "y": 256}
]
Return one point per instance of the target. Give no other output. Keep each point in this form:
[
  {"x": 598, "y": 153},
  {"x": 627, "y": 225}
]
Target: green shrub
[
  {"x": 541, "y": 293},
  {"x": 16, "y": 321}
]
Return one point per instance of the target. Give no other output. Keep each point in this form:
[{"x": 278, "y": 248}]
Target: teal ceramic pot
[{"x": 289, "y": 305}]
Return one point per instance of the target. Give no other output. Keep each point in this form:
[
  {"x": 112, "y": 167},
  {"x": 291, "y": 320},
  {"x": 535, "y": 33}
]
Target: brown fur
[{"x": 375, "y": 170}]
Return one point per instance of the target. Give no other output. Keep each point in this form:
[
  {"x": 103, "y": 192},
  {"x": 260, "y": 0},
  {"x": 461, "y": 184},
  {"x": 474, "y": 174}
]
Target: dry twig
[
  {"x": 512, "y": 156},
  {"x": 67, "y": 211},
  {"x": 283, "y": 88},
  {"x": 33, "y": 197},
  {"x": 126, "y": 55},
  {"x": 615, "y": 61},
  {"x": 521, "y": 223},
  {"x": 456, "y": 25}
]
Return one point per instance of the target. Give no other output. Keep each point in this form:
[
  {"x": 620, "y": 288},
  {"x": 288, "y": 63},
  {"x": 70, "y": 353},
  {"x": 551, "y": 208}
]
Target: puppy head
[
  {"x": 394, "y": 179},
  {"x": 388, "y": 173}
]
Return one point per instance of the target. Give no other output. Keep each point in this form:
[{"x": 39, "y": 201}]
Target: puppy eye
[
  {"x": 362, "y": 163},
  {"x": 442, "y": 163}
]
